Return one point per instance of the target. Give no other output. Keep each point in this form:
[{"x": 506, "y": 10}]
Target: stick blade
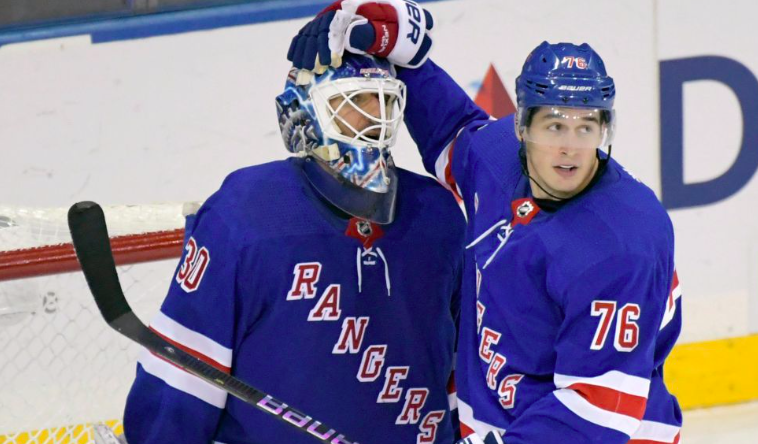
[{"x": 89, "y": 232}]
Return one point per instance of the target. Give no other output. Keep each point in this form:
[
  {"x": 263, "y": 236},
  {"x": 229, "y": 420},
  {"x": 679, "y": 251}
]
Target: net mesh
[{"x": 61, "y": 367}]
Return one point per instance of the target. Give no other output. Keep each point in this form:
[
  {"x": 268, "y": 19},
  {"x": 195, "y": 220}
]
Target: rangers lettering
[
  {"x": 351, "y": 338},
  {"x": 428, "y": 426},
  {"x": 392, "y": 377},
  {"x": 304, "y": 284},
  {"x": 415, "y": 399},
  {"x": 372, "y": 363},
  {"x": 507, "y": 391},
  {"x": 480, "y": 309},
  {"x": 489, "y": 337},
  {"x": 497, "y": 364},
  {"x": 328, "y": 307}
]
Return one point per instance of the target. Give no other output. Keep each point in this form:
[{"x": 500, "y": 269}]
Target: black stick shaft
[{"x": 92, "y": 244}]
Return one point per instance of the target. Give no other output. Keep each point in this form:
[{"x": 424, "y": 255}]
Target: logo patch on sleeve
[{"x": 194, "y": 266}]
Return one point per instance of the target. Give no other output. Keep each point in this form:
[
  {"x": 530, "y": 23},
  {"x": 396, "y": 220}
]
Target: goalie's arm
[
  {"x": 91, "y": 241},
  {"x": 198, "y": 316}
]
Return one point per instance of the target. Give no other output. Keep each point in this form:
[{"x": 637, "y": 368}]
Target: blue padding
[{"x": 175, "y": 22}]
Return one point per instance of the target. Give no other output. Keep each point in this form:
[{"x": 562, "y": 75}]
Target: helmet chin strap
[{"x": 525, "y": 171}]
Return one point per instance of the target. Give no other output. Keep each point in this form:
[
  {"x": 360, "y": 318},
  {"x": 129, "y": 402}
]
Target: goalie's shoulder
[{"x": 262, "y": 201}]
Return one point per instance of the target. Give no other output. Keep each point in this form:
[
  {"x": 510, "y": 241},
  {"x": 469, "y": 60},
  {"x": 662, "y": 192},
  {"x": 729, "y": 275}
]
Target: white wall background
[{"x": 166, "y": 118}]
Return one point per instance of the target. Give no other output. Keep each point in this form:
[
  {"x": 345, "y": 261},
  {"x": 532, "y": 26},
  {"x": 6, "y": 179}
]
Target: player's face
[
  {"x": 561, "y": 148},
  {"x": 368, "y": 102}
]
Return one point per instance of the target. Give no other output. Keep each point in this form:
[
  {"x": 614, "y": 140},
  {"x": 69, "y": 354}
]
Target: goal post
[{"x": 61, "y": 367}]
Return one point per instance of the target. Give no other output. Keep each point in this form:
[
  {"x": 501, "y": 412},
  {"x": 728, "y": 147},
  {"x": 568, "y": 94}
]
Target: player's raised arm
[{"x": 442, "y": 120}]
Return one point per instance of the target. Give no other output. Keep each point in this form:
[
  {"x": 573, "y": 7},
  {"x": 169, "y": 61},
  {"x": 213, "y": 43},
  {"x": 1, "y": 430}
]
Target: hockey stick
[{"x": 92, "y": 244}]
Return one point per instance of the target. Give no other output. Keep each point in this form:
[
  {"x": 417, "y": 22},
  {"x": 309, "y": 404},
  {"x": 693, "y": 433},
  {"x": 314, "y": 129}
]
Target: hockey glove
[
  {"x": 397, "y": 30},
  {"x": 490, "y": 438}
]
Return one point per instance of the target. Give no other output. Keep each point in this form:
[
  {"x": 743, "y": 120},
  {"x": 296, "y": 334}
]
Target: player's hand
[
  {"x": 490, "y": 438},
  {"x": 394, "y": 29}
]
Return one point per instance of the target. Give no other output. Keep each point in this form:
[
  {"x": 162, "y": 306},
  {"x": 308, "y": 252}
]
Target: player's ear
[{"x": 516, "y": 128}]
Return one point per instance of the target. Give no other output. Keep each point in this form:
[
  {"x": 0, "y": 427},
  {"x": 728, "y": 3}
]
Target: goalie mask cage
[{"x": 61, "y": 367}]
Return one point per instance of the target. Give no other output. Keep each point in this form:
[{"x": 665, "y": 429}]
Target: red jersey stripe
[
  {"x": 612, "y": 400},
  {"x": 194, "y": 353},
  {"x": 650, "y": 441}
]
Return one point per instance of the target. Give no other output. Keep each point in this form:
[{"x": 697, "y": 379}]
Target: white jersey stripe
[
  {"x": 192, "y": 339},
  {"x": 440, "y": 165},
  {"x": 668, "y": 315},
  {"x": 466, "y": 416},
  {"x": 656, "y": 431},
  {"x": 452, "y": 400},
  {"x": 181, "y": 380},
  {"x": 583, "y": 409},
  {"x": 615, "y": 380}
]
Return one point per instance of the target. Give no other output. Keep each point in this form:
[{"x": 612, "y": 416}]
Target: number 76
[{"x": 627, "y": 331}]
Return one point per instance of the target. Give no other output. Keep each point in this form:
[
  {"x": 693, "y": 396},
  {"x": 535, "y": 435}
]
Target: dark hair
[{"x": 605, "y": 116}]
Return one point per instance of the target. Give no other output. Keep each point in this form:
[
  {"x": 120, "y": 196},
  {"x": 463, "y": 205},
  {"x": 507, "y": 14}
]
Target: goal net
[{"x": 61, "y": 367}]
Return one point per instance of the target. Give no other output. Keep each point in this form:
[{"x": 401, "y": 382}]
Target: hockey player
[
  {"x": 570, "y": 299},
  {"x": 328, "y": 280}
]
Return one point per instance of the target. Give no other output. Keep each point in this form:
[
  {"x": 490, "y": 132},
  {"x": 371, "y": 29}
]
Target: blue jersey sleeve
[
  {"x": 605, "y": 354},
  {"x": 437, "y": 112},
  {"x": 199, "y": 315}
]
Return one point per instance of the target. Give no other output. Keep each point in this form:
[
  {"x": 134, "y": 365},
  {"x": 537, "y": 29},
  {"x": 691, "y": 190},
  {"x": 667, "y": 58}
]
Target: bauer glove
[{"x": 397, "y": 30}]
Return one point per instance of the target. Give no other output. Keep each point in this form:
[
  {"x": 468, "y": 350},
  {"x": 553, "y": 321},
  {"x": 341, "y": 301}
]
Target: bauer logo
[
  {"x": 414, "y": 20},
  {"x": 193, "y": 267},
  {"x": 367, "y": 72},
  {"x": 574, "y": 88},
  {"x": 302, "y": 421}
]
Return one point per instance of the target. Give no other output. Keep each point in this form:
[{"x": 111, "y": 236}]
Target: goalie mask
[{"x": 344, "y": 122}]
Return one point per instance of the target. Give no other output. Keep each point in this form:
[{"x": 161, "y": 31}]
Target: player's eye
[
  {"x": 555, "y": 127},
  {"x": 364, "y": 98}
]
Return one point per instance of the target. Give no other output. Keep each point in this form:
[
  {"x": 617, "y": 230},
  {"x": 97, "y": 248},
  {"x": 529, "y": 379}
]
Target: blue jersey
[
  {"x": 349, "y": 322},
  {"x": 567, "y": 316}
]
